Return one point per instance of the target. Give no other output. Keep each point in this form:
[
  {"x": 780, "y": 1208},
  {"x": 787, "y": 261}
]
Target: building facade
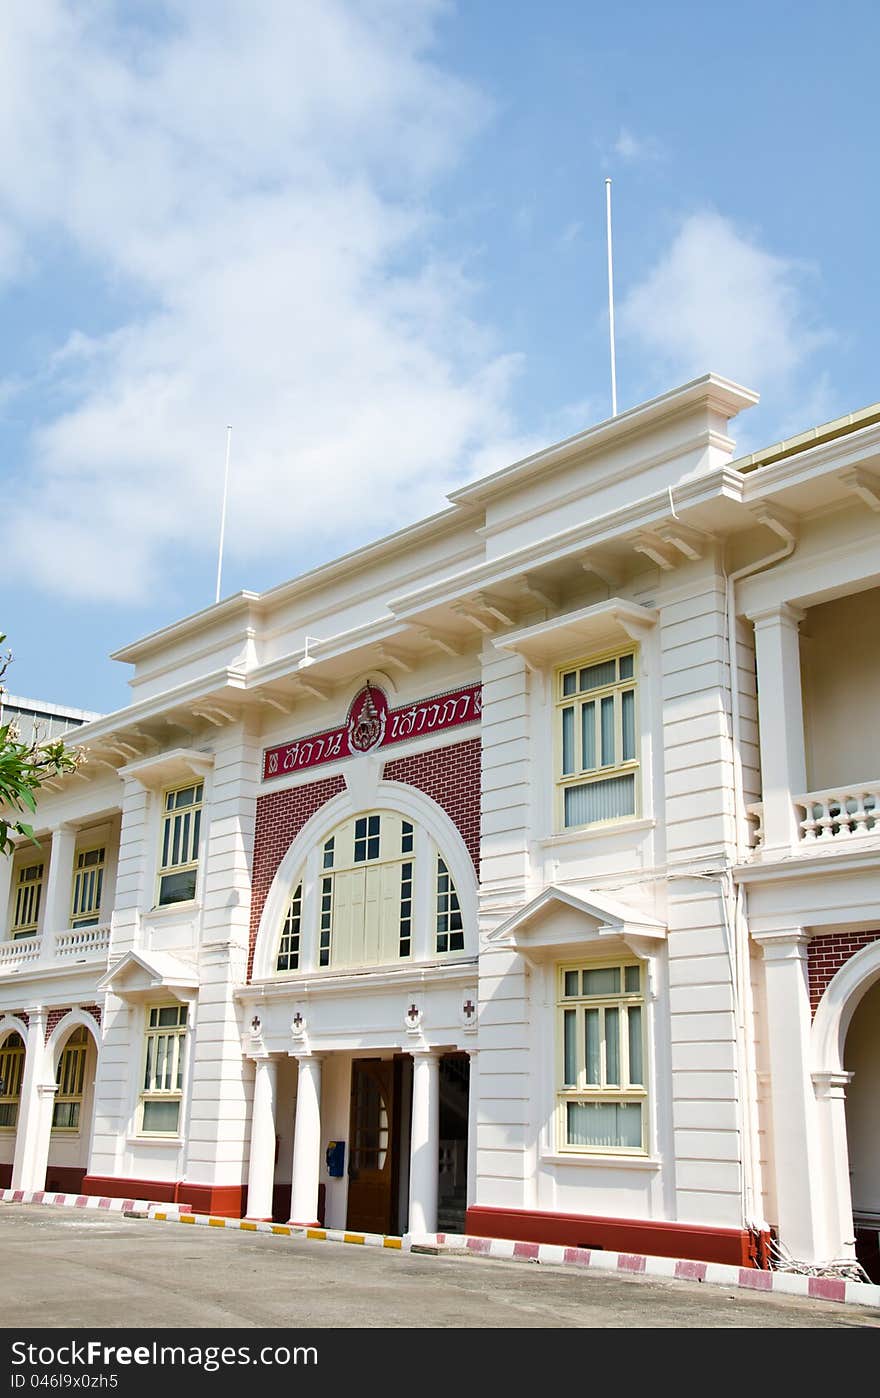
[{"x": 517, "y": 874}]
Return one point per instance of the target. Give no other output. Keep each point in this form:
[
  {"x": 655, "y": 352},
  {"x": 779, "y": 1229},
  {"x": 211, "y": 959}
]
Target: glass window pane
[
  {"x": 161, "y": 1116},
  {"x": 570, "y": 1073},
  {"x": 628, "y": 719},
  {"x": 588, "y": 736},
  {"x": 177, "y": 888},
  {"x": 612, "y": 1047},
  {"x": 595, "y": 676},
  {"x": 609, "y": 1124},
  {"x": 632, "y": 980},
  {"x": 591, "y": 1025},
  {"x": 607, "y": 724},
  {"x": 636, "y": 1067},
  {"x": 604, "y": 980},
  {"x": 168, "y": 1016},
  {"x": 603, "y": 800},
  {"x": 567, "y": 741},
  {"x": 626, "y": 667},
  {"x": 569, "y": 682},
  {"x": 571, "y": 982}
]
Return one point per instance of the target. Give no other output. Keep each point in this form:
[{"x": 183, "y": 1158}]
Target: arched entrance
[
  {"x": 75, "y": 1063},
  {"x": 12, "y": 1060},
  {"x": 846, "y": 1074},
  {"x": 861, "y": 1058}
]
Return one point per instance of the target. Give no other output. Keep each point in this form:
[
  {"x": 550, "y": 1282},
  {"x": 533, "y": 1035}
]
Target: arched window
[
  {"x": 69, "y": 1081},
  {"x": 11, "y": 1072},
  {"x": 380, "y": 890}
]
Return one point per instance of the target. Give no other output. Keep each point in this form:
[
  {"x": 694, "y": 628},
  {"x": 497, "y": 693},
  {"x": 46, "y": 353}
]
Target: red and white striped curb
[
  {"x": 677, "y": 1269},
  {"x": 668, "y": 1268},
  {"x": 79, "y": 1201}
]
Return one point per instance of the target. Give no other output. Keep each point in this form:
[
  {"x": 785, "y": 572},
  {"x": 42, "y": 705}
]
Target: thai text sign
[{"x": 370, "y": 724}]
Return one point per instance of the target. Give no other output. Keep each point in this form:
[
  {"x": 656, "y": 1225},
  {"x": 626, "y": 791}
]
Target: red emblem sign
[{"x": 370, "y": 724}]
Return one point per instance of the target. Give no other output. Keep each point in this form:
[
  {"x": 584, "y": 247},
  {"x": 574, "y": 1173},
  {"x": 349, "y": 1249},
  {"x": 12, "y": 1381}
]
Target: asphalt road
[{"x": 72, "y": 1268}]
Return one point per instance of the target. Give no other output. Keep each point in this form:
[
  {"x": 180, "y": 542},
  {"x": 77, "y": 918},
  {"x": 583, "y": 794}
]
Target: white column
[
  {"x": 830, "y": 1089},
  {"x": 424, "y": 1170},
  {"x": 261, "y": 1168},
  {"x": 59, "y": 886},
  {"x": 473, "y": 1105},
  {"x": 5, "y": 888},
  {"x": 30, "y": 1127},
  {"x": 780, "y": 722},
  {"x": 795, "y": 1148},
  {"x": 306, "y": 1142}
]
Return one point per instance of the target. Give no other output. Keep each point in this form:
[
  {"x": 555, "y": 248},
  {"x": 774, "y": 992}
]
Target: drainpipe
[{"x": 739, "y": 918}]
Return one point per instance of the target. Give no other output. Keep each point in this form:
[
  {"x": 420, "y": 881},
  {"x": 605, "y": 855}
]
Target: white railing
[
  {"x": 19, "y": 953},
  {"x": 78, "y": 944},
  {"x": 83, "y": 942},
  {"x": 841, "y": 813}
]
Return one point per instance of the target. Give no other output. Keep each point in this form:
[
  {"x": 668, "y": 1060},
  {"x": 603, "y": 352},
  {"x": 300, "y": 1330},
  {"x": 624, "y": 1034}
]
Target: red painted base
[
  {"x": 64, "y": 1179},
  {"x": 223, "y": 1201},
  {"x": 6, "y": 1176},
  {"x": 643, "y": 1236}
]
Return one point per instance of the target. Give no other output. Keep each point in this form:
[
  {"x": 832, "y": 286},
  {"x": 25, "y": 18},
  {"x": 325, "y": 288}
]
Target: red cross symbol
[
  {"x": 412, "y": 1012},
  {"x": 469, "y": 1008},
  {"x": 255, "y": 1023},
  {"x": 297, "y": 1020}
]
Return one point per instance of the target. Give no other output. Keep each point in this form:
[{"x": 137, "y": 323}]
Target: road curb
[
  {"x": 80, "y": 1201},
  {"x": 549, "y": 1254}
]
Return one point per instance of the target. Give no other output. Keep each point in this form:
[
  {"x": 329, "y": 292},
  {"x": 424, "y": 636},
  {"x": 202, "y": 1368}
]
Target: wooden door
[{"x": 371, "y": 1146}]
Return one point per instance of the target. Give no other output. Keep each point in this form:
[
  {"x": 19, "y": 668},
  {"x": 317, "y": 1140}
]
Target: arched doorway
[
  {"x": 845, "y": 1066},
  {"x": 861, "y": 1058},
  {"x": 12, "y": 1059},
  {"x": 75, "y": 1062}
]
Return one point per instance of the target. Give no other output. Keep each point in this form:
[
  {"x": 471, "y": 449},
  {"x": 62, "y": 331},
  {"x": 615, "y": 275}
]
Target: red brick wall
[
  {"x": 54, "y": 1017},
  {"x": 450, "y": 776},
  {"x": 826, "y": 955},
  {"x": 280, "y": 817}
]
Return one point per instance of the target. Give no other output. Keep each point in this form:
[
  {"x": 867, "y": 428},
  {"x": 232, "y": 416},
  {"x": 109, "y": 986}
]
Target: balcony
[
  {"x": 56, "y": 949},
  {"x": 839, "y": 817}
]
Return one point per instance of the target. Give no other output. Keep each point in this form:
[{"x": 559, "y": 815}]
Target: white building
[{"x": 464, "y": 851}]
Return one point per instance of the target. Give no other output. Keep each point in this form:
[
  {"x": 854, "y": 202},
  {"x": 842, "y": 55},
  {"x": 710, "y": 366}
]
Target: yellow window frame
[
  {"x": 603, "y": 1092},
  {"x": 581, "y": 776}
]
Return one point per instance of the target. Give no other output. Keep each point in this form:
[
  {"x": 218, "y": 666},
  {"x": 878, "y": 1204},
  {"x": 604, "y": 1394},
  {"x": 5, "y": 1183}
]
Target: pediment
[
  {"x": 140, "y": 976},
  {"x": 572, "y": 918}
]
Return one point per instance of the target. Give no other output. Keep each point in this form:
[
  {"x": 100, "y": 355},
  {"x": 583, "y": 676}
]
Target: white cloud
[
  {"x": 256, "y": 179},
  {"x": 716, "y": 300},
  {"x": 630, "y": 148}
]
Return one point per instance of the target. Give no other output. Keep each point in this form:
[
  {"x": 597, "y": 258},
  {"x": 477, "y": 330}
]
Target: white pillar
[
  {"x": 261, "y": 1168},
  {"x": 59, "y": 885},
  {"x": 473, "y": 1105},
  {"x": 306, "y": 1142},
  {"x": 30, "y": 1134},
  {"x": 795, "y": 1150},
  {"x": 780, "y": 722},
  {"x": 424, "y": 1170},
  {"x": 830, "y": 1089},
  {"x": 5, "y": 888}
]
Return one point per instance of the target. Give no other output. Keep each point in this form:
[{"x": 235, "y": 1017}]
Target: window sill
[
  {"x": 593, "y": 832},
  {"x": 154, "y": 1140},
  {"x": 609, "y": 1161},
  {"x": 170, "y": 910}
]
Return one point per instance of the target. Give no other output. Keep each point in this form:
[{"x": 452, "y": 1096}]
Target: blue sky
[{"x": 370, "y": 235}]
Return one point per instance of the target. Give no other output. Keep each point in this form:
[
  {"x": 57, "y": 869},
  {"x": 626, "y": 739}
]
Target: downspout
[{"x": 742, "y": 987}]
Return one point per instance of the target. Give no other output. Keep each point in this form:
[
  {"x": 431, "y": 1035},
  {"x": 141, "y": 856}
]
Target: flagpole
[
  {"x": 611, "y": 298},
  {"x": 223, "y": 513}
]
